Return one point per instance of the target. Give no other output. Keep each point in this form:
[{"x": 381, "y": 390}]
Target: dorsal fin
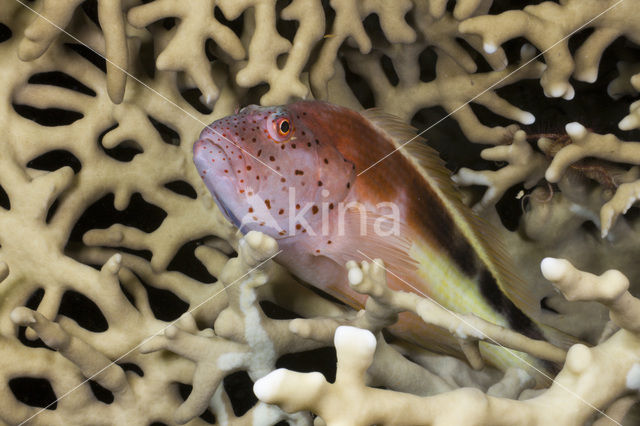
[{"x": 481, "y": 235}]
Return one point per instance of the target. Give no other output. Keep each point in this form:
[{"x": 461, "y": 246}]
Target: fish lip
[
  {"x": 223, "y": 154},
  {"x": 205, "y": 143},
  {"x": 226, "y": 212}
]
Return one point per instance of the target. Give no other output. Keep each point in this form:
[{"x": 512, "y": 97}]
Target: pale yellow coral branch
[
  {"x": 109, "y": 61},
  {"x": 256, "y": 260},
  {"x": 466, "y": 327},
  {"x": 489, "y": 49}
]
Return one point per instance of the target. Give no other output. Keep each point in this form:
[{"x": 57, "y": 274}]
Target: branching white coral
[
  {"x": 524, "y": 165},
  {"x": 54, "y": 18},
  {"x": 196, "y": 25},
  {"x": 453, "y": 89},
  {"x": 348, "y": 24},
  {"x": 254, "y": 346},
  {"x": 627, "y": 82},
  {"x": 548, "y": 26},
  {"x": 579, "y": 384},
  {"x": 608, "y": 147},
  {"x": 587, "y": 144},
  {"x": 370, "y": 279}
]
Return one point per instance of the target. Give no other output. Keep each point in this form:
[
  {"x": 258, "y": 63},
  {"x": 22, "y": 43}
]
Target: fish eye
[
  {"x": 284, "y": 127},
  {"x": 280, "y": 127}
]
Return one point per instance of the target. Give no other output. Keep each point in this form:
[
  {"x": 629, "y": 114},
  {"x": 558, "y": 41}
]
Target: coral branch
[
  {"x": 579, "y": 384},
  {"x": 524, "y": 165},
  {"x": 626, "y": 195},
  {"x": 41, "y": 32},
  {"x": 55, "y": 18},
  {"x": 453, "y": 89},
  {"x": 244, "y": 338},
  {"x": 214, "y": 358},
  {"x": 348, "y": 24},
  {"x": 370, "y": 279},
  {"x": 548, "y": 26},
  {"x": 197, "y": 24},
  {"x": 462, "y": 10},
  {"x": 610, "y": 289},
  {"x": 627, "y": 82},
  {"x": 588, "y": 144},
  {"x": 91, "y": 362}
]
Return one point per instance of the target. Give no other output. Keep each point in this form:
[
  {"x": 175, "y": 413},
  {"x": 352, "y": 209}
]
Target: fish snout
[
  {"x": 209, "y": 158},
  {"x": 200, "y": 145}
]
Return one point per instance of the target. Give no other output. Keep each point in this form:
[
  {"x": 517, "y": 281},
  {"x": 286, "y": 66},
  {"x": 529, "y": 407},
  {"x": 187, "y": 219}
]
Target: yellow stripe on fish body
[
  {"x": 479, "y": 234},
  {"x": 459, "y": 293},
  {"x": 456, "y": 258},
  {"x": 481, "y": 281}
]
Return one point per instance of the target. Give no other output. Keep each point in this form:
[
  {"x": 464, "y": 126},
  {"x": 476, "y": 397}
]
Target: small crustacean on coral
[{"x": 605, "y": 173}]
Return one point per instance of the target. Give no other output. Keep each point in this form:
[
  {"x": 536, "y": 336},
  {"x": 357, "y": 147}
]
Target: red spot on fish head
[{"x": 271, "y": 154}]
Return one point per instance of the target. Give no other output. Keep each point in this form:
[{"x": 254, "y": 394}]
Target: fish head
[{"x": 272, "y": 169}]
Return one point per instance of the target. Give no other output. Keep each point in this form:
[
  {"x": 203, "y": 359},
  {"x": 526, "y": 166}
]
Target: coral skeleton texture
[
  {"x": 126, "y": 298},
  {"x": 588, "y": 381}
]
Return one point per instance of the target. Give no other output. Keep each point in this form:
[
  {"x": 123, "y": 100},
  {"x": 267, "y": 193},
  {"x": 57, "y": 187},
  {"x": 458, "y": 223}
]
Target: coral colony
[{"x": 128, "y": 296}]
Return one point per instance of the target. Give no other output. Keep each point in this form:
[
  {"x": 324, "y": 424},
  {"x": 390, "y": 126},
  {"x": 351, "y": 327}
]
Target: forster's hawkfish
[{"x": 309, "y": 175}]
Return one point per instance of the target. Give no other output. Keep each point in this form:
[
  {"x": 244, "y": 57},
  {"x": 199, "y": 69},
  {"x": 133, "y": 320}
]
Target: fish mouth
[
  {"x": 215, "y": 166},
  {"x": 226, "y": 212}
]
